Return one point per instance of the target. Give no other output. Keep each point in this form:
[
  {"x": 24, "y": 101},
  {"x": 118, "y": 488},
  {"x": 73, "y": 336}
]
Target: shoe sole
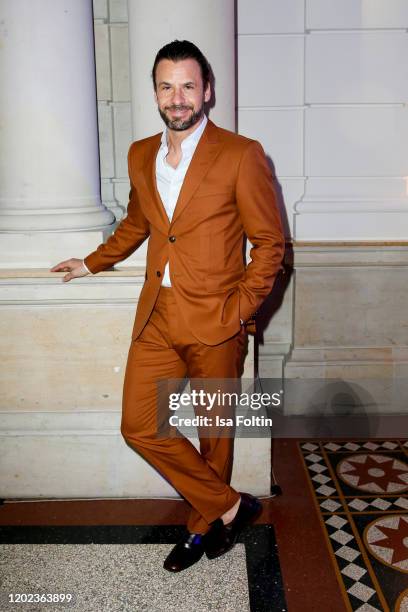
[{"x": 255, "y": 516}]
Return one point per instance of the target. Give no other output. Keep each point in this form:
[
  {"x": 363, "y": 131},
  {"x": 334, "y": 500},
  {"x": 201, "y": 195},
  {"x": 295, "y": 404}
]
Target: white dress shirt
[{"x": 169, "y": 180}]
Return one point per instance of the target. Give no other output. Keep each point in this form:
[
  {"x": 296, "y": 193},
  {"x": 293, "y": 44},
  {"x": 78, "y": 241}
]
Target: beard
[{"x": 180, "y": 125}]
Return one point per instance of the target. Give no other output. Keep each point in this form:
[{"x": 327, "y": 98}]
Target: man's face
[{"x": 180, "y": 94}]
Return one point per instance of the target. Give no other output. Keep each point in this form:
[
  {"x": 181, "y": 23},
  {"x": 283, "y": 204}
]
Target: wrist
[{"x": 86, "y": 267}]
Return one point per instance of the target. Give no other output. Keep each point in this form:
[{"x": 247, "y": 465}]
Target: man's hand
[{"x": 74, "y": 267}]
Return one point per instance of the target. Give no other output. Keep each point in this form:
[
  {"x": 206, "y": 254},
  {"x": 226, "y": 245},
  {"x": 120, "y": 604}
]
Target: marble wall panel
[
  {"x": 268, "y": 16},
  {"x": 66, "y": 357},
  {"x": 356, "y": 67},
  {"x": 121, "y": 188},
  {"x": 263, "y": 78},
  {"x": 354, "y": 307},
  {"x": 100, "y": 9},
  {"x": 122, "y": 122},
  {"x": 280, "y": 133},
  {"x": 118, "y": 10},
  {"x": 106, "y": 150},
  {"x": 103, "y": 59},
  {"x": 120, "y": 63},
  {"x": 356, "y": 141},
  {"x": 356, "y": 14},
  {"x": 356, "y": 188}
]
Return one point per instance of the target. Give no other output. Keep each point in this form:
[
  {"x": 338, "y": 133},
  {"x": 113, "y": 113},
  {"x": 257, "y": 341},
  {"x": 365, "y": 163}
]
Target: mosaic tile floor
[{"x": 360, "y": 489}]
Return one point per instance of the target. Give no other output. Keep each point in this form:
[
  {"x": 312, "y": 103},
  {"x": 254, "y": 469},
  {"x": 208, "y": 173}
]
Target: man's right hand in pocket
[{"x": 74, "y": 267}]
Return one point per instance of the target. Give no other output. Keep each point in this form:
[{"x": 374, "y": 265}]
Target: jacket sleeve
[
  {"x": 128, "y": 236},
  {"x": 257, "y": 204}
]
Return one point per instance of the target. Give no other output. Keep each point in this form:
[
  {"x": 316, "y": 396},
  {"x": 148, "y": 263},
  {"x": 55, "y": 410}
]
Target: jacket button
[
  {"x": 158, "y": 273},
  {"x": 172, "y": 239}
]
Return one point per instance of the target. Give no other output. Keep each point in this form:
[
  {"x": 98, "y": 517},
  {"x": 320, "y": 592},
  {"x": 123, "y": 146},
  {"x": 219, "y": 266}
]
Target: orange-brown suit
[{"x": 227, "y": 192}]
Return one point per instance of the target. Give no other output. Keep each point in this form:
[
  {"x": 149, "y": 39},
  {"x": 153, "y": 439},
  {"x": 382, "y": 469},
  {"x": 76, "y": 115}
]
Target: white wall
[{"x": 323, "y": 85}]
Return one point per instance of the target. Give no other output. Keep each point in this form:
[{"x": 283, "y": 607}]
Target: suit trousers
[{"x": 167, "y": 350}]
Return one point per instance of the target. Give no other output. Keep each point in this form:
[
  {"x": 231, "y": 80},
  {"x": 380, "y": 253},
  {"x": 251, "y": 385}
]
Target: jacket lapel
[
  {"x": 204, "y": 156},
  {"x": 149, "y": 175}
]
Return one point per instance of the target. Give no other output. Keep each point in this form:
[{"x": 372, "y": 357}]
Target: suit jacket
[{"x": 227, "y": 192}]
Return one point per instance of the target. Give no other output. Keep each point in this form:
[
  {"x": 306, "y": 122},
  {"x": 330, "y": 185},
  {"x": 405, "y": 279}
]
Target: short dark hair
[{"x": 180, "y": 50}]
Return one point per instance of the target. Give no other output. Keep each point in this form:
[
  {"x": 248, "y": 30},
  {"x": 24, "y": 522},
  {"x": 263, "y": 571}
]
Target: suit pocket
[{"x": 225, "y": 195}]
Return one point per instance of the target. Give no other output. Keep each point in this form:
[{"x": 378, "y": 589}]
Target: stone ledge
[
  {"x": 346, "y": 254},
  {"x": 45, "y": 273},
  {"x": 347, "y": 354}
]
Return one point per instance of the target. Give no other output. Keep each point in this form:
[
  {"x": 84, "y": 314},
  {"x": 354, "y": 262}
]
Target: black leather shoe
[
  {"x": 186, "y": 552},
  {"x": 221, "y": 538}
]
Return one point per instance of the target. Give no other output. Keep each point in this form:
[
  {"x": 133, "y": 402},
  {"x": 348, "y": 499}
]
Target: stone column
[
  {"x": 49, "y": 161},
  {"x": 210, "y": 25}
]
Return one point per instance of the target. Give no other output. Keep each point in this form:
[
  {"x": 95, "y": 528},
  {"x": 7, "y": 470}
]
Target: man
[{"x": 196, "y": 190}]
